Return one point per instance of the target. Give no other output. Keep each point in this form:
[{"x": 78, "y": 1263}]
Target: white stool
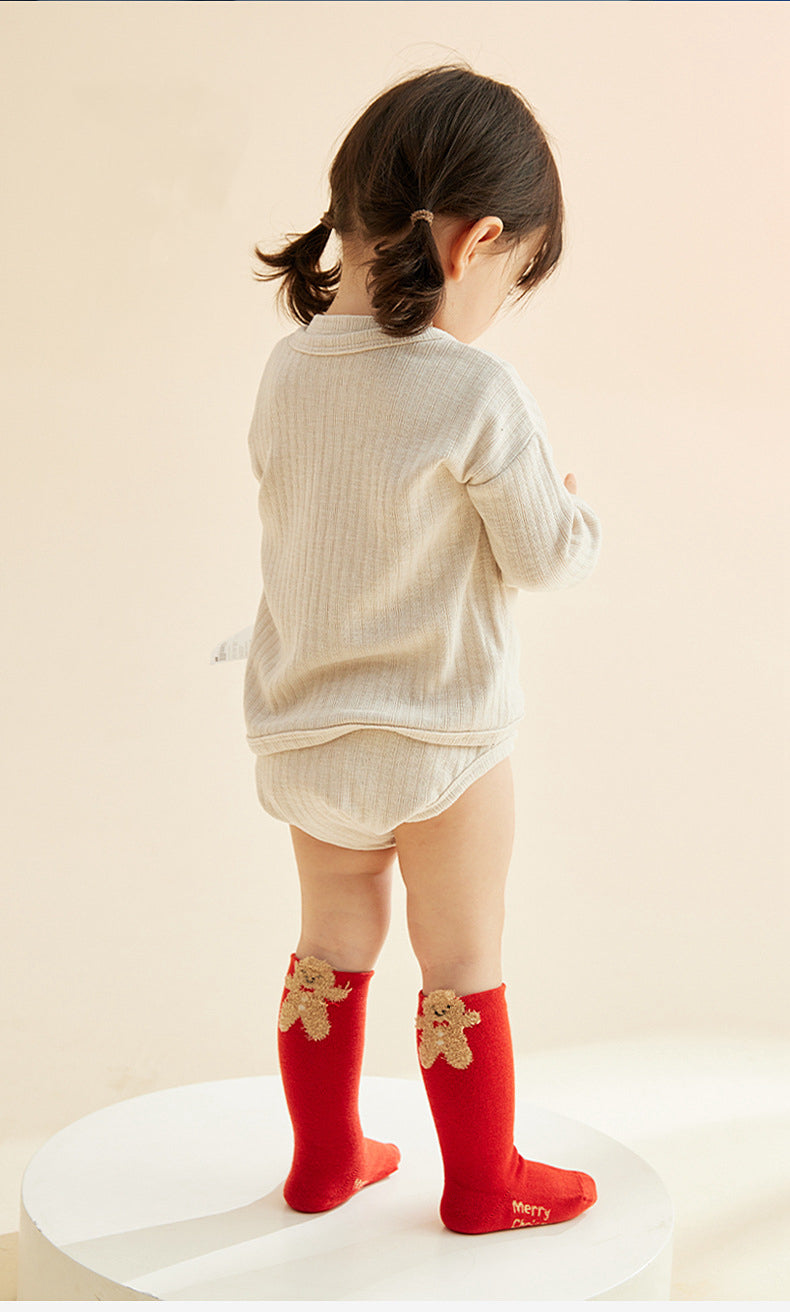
[{"x": 177, "y": 1195}]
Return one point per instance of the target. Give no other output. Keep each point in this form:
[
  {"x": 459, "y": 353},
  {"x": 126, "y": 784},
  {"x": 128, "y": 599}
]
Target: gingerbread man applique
[
  {"x": 442, "y": 1023},
  {"x": 309, "y": 989}
]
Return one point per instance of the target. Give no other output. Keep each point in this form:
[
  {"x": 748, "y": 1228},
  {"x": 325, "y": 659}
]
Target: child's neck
[{"x": 351, "y": 296}]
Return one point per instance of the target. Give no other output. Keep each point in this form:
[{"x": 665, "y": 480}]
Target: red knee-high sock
[
  {"x": 320, "y": 1038},
  {"x": 466, "y": 1058}
]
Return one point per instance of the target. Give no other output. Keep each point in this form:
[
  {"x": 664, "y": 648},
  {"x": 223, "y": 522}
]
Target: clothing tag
[{"x": 234, "y": 648}]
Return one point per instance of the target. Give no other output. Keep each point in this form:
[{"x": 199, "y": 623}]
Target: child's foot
[
  {"x": 535, "y": 1194},
  {"x": 318, "y": 1189}
]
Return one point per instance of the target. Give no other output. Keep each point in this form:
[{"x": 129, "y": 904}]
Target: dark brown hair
[{"x": 448, "y": 140}]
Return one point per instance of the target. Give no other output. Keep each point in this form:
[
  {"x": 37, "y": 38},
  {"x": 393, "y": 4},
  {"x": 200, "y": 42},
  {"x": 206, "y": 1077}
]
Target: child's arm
[{"x": 541, "y": 534}]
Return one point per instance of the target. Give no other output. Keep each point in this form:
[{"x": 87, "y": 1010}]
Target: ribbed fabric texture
[
  {"x": 355, "y": 790},
  {"x": 407, "y": 490}
]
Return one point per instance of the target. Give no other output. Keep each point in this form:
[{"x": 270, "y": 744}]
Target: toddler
[{"x": 407, "y": 492}]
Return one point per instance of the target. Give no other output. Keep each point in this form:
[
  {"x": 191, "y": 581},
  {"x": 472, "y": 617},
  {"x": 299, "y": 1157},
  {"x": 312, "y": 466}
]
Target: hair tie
[
  {"x": 422, "y": 214},
  {"x": 326, "y": 219}
]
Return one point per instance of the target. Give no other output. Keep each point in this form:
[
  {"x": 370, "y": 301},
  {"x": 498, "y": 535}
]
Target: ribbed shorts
[{"x": 354, "y": 790}]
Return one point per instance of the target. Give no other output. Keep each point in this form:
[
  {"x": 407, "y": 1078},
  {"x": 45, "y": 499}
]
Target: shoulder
[
  {"x": 467, "y": 361},
  {"x": 501, "y": 413},
  {"x": 503, "y": 378},
  {"x": 274, "y": 366},
  {"x": 282, "y": 350},
  {"x": 494, "y": 384}
]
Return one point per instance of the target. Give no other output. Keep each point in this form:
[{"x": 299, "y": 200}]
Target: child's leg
[
  {"x": 345, "y": 901},
  {"x": 321, "y": 1028},
  {"x": 454, "y": 867}
]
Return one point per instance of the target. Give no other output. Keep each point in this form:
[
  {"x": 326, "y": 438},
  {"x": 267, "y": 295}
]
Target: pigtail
[
  {"x": 406, "y": 282},
  {"x": 448, "y": 138},
  {"x": 306, "y": 288}
]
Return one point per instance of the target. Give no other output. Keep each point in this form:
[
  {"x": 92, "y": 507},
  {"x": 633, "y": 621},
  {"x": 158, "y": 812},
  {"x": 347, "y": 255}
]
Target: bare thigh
[{"x": 454, "y": 867}]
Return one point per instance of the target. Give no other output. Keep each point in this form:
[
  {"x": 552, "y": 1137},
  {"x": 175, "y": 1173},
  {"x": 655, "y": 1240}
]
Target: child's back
[{"x": 406, "y": 490}]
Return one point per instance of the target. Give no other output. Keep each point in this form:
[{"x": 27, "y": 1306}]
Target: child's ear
[{"x": 463, "y": 248}]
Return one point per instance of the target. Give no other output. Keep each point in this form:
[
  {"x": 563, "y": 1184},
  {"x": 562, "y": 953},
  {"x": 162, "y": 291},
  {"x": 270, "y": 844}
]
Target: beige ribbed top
[{"x": 407, "y": 490}]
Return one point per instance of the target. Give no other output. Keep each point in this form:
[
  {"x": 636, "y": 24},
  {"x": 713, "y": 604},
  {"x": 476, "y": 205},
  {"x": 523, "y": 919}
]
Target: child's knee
[
  {"x": 472, "y": 973},
  {"x": 344, "y": 950}
]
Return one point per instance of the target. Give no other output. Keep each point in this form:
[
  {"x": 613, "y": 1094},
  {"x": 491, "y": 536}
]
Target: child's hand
[{"x": 570, "y": 482}]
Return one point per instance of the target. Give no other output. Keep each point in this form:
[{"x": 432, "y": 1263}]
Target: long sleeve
[{"x": 542, "y": 536}]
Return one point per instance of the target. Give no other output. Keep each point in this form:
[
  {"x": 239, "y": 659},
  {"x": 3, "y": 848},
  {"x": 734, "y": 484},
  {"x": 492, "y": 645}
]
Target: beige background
[{"x": 149, "y": 904}]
